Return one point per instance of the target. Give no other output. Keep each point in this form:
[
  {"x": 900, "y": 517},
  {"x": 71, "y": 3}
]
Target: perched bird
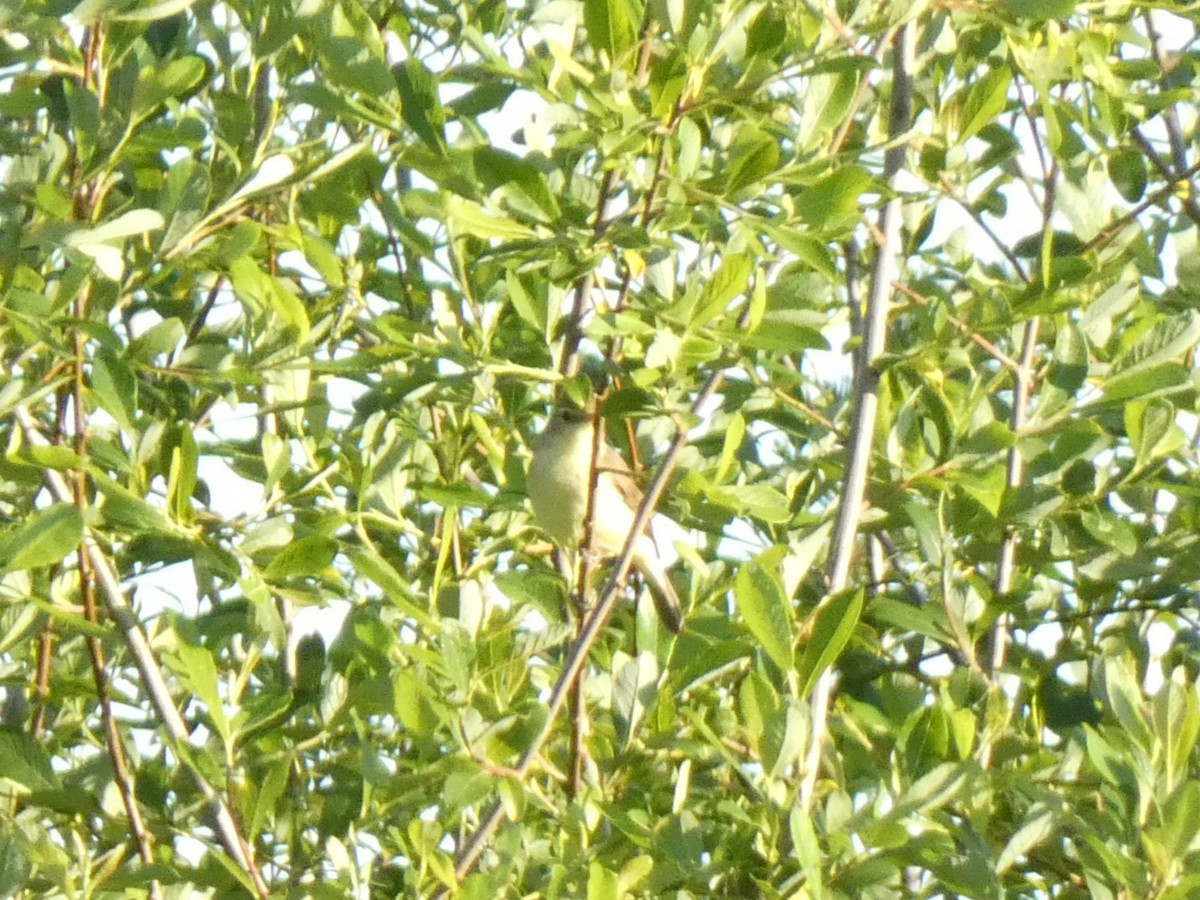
[{"x": 557, "y": 485}]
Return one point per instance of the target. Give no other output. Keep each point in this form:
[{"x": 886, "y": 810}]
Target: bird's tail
[{"x": 666, "y": 601}]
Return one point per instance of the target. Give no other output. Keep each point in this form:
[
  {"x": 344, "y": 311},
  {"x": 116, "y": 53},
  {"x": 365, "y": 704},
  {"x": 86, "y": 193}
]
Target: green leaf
[
  {"x": 264, "y": 794},
  {"x": 601, "y": 884},
  {"x": 137, "y": 221},
  {"x": 311, "y": 555},
  {"x": 934, "y": 789},
  {"x": 114, "y": 388},
  {"x": 160, "y": 339},
  {"x": 353, "y": 55},
  {"x": 1160, "y": 381},
  {"x": 611, "y": 25},
  {"x": 1177, "y": 726},
  {"x": 541, "y": 592},
  {"x": 421, "y": 107},
  {"x": 735, "y": 434},
  {"x": 833, "y": 200},
  {"x": 986, "y": 100},
  {"x": 753, "y": 156},
  {"x": 1030, "y": 505},
  {"x": 486, "y": 97},
  {"x": 1180, "y": 824},
  {"x": 42, "y": 539},
  {"x": 807, "y": 851},
  {"x": 124, "y": 509},
  {"x": 1039, "y": 824},
  {"x": 690, "y": 142},
  {"x": 1127, "y": 168},
  {"x": 1039, "y": 10},
  {"x": 196, "y": 666},
  {"x": 927, "y": 619},
  {"x": 84, "y": 110},
  {"x": 725, "y": 284},
  {"x": 26, "y": 762},
  {"x": 497, "y": 168},
  {"x": 776, "y": 332},
  {"x": 15, "y": 867},
  {"x": 174, "y": 79},
  {"x": 635, "y": 686},
  {"x": 830, "y": 632},
  {"x": 766, "y": 611},
  {"x": 469, "y": 217},
  {"x": 371, "y": 566},
  {"x": 155, "y": 11},
  {"x": 1165, "y": 342},
  {"x": 414, "y": 707},
  {"x": 532, "y": 306},
  {"x": 1125, "y": 700},
  {"x": 783, "y": 739},
  {"x": 928, "y": 530},
  {"x": 53, "y": 456}
]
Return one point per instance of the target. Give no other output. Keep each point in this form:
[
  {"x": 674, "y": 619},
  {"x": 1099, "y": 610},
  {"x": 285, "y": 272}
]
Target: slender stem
[
  {"x": 862, "y": 434},
  {"x": 122, "y": 615},
  {"x": 1014, "y": 474}
]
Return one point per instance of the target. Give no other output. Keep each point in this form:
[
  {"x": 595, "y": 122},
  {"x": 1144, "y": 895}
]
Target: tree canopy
[{"x": 893, "y": 307}]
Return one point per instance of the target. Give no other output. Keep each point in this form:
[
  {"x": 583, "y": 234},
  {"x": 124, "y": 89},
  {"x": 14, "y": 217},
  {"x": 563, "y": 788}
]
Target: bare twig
[
  {"x": 962, "y": 327},
  {"x": 568, "y": 363},
  {"x": 122, "y": 776},
  {"x": 862, "y": 433},
  {"x": 1013, "y": 477},
  {"x": 138, "y": 645},
  {"x": 864, "y": 83}
]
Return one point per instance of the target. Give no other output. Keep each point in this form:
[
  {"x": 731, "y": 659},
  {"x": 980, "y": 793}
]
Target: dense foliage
[{"x": 284, "y": 289}]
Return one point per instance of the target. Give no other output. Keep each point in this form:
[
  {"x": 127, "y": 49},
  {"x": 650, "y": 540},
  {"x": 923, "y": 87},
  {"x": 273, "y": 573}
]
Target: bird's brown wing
[{"x": 611, "y": 463}]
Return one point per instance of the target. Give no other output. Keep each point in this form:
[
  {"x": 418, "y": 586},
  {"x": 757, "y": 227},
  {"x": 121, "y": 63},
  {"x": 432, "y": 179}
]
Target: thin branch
[
  {"x": 138, "y": 645},
  {"x": 962, "y": 327},
  {"x": 201, "y": 316},
  {"x": 862, "y": 433},
  {"x": 568, "y": 363},
  {"x": 1013, "y": 477},
  {"x": 1169, "y": 114},
  {"x": 864, "y": 83},
  {"x": 122, "y": 776},
  {"x": 1114, "y": 228},
  {"x": 41, "y": 684},
  {"x": 977, "y": 217},
  {"x": 1189, "y": 202}
]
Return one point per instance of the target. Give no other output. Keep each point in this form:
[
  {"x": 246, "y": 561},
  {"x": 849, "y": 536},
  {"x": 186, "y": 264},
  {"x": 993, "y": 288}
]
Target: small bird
[{"x": 558, "y": 486}]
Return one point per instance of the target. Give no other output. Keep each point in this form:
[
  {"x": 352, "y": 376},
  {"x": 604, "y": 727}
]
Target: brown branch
[
  {"x": 1170, "y": 116},
  {"x": 867, "y": 382},
  {"x": 1189, "y": 202},
  {"x": 41, "y": 684},
  {"x": 122, "y": 615},
  {"x": 977, "y": 218},
  {"x": 201, "y": 316},
  {"x": 1118, "y": 224},
  {"x": 122, "y": 775},
  {"x": 112, "y": 736},
  {"x": 963, "y": 328},
  {"x": 568, "y": 363},
  {"x": 1013, "y": 477},
  {"x": 885, "y": 41}
]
